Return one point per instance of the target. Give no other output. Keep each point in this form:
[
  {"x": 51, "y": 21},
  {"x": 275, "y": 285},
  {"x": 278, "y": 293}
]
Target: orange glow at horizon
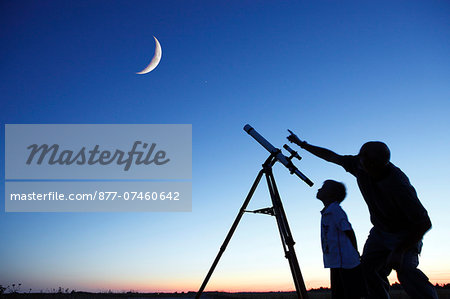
[{"x": 192, "y": 285}]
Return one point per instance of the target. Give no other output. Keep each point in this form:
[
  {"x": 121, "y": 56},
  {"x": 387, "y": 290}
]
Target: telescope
[
  {"x": 275, "y": 210},
  {"x": 276, "y": 152}
]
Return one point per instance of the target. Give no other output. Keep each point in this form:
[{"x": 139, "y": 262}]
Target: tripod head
[{"x": 278, "y": 155}]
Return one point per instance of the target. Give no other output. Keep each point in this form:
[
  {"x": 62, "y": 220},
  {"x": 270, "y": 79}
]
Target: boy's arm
[
  {"x": 320, "y": 152},
  {"x": 351, "y": 235}
]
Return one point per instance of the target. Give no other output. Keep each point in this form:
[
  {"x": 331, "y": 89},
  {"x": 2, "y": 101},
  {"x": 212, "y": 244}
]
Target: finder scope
[{"x": 277, "y": 154}]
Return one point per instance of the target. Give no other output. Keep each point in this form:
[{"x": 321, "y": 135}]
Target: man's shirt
[
  {"x": 392, "y": 201},
  {"x": 338, "y": 251}
]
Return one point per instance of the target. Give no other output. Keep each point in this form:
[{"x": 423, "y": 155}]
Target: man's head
[
  {"x": 374, "y": 157},
  {"x": 331, "y": 191}
]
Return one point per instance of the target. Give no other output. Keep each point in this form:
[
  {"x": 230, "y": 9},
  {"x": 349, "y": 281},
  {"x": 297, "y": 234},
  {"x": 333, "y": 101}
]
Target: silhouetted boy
[{"x": 340, "y": 252}]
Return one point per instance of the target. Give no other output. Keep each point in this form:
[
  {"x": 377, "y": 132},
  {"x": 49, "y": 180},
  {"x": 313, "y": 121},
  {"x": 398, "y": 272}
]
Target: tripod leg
[
  {"x": 286, "y": 236},
  {"x": 230, "y": 233}
]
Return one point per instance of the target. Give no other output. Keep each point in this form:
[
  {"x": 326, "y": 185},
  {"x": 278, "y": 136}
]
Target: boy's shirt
[{"x": 338, "y": 251}]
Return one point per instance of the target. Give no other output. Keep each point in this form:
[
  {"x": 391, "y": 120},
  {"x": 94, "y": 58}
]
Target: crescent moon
[{"x": 155, "y": 60}]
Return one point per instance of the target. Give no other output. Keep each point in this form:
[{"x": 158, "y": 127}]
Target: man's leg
[
  {"x": 414, "y": 281},
  {"x": 373, "y": 261}
]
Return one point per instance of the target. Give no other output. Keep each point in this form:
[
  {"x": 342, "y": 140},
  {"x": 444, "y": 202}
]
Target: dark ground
[{"x": 317, "y": 294}]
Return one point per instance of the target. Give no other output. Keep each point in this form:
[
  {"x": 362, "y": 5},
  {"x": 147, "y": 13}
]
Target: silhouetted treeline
[{"x": 318, "y": 293}]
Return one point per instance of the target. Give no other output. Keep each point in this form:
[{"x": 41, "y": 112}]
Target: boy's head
[{"x": 331, "y": 191}]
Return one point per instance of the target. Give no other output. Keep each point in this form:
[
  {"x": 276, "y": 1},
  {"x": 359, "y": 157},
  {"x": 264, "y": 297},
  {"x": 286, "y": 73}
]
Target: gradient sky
[{"x": 337, "y": 73}]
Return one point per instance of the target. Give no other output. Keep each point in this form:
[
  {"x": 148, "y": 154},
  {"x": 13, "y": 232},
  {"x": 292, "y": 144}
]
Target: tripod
[{"x": 283, "y": 227}]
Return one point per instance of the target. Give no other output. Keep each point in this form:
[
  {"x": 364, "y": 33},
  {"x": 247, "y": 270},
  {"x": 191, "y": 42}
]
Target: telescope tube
[{"x": 277, "y": 152}]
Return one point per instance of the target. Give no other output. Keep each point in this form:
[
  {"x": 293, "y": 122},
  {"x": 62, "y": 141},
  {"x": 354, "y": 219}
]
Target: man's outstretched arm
[{"x": 320, "y": 152}]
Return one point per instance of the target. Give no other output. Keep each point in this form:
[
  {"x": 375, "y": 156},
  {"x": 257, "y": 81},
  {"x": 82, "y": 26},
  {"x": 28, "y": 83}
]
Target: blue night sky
[{"x": 338, "y": 73}]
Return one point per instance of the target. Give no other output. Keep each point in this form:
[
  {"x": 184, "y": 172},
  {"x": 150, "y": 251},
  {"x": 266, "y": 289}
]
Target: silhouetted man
[{"x": 399, "y": 219}]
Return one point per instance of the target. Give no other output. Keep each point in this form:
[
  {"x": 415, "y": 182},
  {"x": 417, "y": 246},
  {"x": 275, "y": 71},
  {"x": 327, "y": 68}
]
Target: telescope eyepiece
[{"x": 293, "y": 153}]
